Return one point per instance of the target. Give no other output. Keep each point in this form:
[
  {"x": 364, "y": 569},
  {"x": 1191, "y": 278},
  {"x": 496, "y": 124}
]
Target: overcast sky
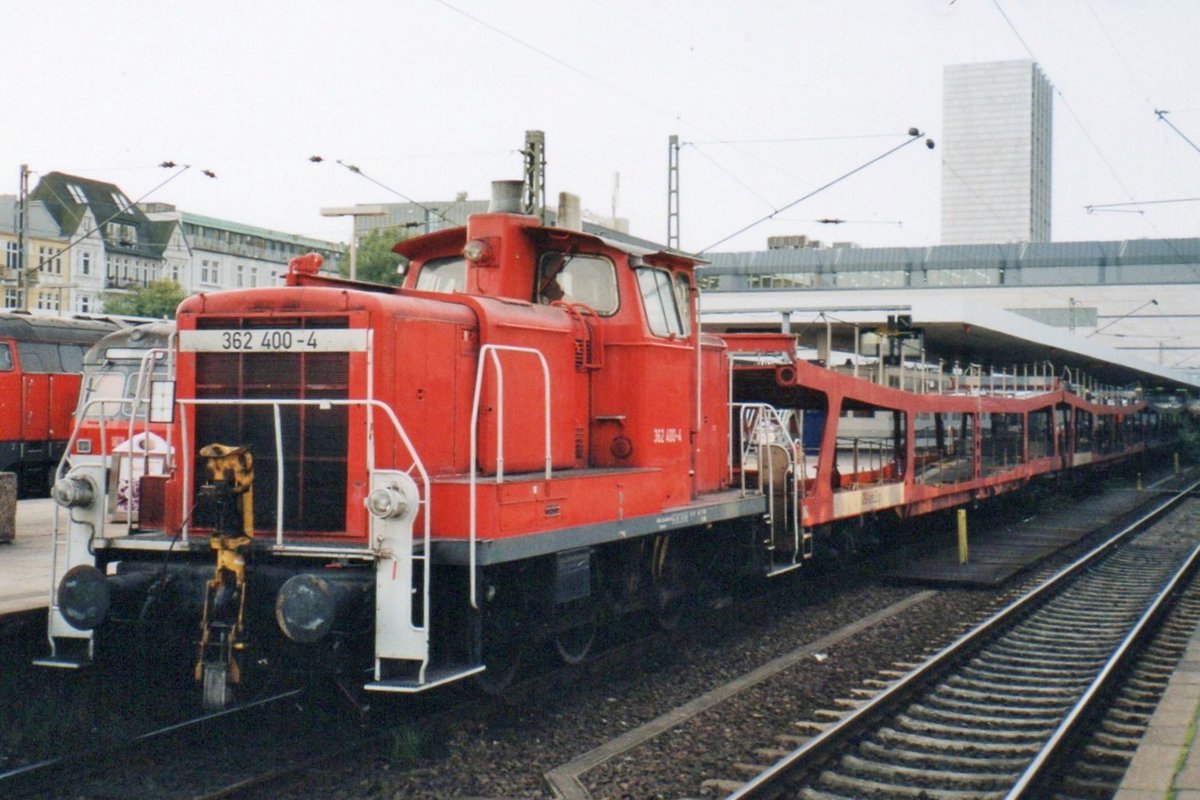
[{"x": 433, "y": 97}]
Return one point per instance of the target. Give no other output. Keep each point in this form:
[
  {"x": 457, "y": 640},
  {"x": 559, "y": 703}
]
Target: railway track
[
  {"x": 993, "y": 713},
  {"x": 1099, "y": 763},
  {"x": 135, "y": 768}
]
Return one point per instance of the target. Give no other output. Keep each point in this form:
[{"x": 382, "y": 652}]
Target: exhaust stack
[
  {"x": 506, "y": 197},
  {"x": 570, "y": 215}
]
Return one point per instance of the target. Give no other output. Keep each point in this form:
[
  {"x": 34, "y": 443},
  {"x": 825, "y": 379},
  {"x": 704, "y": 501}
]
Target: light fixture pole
[{"x": 354, "y": 212}]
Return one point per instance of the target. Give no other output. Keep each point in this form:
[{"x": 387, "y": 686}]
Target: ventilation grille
[{"x": 314, "y": 440}]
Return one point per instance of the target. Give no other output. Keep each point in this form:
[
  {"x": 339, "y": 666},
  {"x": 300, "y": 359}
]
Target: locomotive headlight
[
  {"x": 477, "y": 251},
  {"x": 74, "y": 492},
  {"x": 387, "y": 502}
]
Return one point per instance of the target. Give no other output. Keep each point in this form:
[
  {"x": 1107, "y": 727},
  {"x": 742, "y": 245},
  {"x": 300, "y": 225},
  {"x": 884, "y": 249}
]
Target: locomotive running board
[{"x": 433, "y": 678}]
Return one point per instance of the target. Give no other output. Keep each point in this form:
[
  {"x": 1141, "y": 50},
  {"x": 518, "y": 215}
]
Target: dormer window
[{"x": 122, "y": 234}]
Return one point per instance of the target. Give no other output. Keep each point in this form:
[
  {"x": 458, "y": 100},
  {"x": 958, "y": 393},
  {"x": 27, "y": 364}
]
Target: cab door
[
  {"x": 12, "y": 409},
  {"x": 36, "y": 361}
]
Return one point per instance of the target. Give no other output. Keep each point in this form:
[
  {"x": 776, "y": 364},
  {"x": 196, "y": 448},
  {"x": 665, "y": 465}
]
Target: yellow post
[
  {"x": 1139, "y": 482},
  {"x": 963, "y": 553}
]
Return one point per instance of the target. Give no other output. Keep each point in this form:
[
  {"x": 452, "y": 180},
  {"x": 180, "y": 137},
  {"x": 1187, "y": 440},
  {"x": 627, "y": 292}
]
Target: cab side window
[
  {"x": 6, "y": 361},
  {"x": 71, "y": 357},
  {"x": 660, "y": 301},
  {"x": 576, "y": 278},
  {"x": 683, "y": 301},
  {"x": 39, "y": 357}
]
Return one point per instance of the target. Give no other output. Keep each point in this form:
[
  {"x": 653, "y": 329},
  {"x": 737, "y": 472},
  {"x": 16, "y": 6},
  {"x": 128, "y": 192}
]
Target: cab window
[
  {"x": 105, "y": 385},
  {"x": 576, "y": 278},
  {"x": 39, "y": 357},
  {"x": 683, "y": 301},
  {"x": 443, "y": 275},
  {"x": 659, "y": 300},
  {"x": 71, "y": 357},
  {"x": 6, "y": 362}
]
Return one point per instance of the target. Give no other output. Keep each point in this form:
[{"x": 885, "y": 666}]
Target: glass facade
[
  {"x": 996, "y": 153},
  {"x": 1145, "y": 261}
]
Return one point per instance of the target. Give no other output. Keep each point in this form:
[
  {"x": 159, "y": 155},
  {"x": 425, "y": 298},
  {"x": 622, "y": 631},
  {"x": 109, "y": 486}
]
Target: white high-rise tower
[{"x": 996, "y": 135}]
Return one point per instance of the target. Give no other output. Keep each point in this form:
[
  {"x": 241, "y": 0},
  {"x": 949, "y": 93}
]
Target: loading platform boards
[{"x": 998, "y": 550}]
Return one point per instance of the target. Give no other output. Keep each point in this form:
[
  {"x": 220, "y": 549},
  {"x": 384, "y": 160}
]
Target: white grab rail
[{"x": 486, "y": 353}]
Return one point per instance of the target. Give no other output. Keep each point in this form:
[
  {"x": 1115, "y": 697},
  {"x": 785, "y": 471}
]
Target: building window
[
  {"x": 253, "y": 277},
  {"x": 11, "y": 254},
  {"x": 209, "y": 272},
  {"x": 240, "y": 276},
  {"x": 12, "y": 298},
  {"x": 85, "y": 303},
  {"x": 49, "y": 301},
  {"x": 85, "y": 263}
]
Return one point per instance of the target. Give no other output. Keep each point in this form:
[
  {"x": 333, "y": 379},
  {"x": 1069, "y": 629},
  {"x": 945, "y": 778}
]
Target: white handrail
[
  {"x": 489, "y": 352},
  {"x": 276, "y": 405}
]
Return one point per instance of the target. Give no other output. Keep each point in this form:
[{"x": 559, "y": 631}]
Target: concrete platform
[
  {"x": 25, "y": 561},
  {"x": 1167, "y": 764},
  {"x": 999, "y": 552}
]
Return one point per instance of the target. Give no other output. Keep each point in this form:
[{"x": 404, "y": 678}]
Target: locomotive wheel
[
  {"x": 668, "y": 587},
  {"x": 574, "y": 644},
  {"x": 505, "y": 634},
  {"x": 668, "y": 610}
]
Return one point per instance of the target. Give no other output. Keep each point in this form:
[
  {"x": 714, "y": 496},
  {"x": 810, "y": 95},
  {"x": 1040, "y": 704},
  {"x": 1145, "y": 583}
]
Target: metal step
[
  {"x": 433, "y": 678},
  {"x": 62, "y": 662}
]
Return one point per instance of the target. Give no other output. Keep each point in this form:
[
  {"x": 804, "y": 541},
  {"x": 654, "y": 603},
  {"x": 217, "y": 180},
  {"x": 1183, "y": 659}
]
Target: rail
[
  {"x": 490, "y": 352},
  {"x": 1037, "y": 769},
  {"x": 831, "y": 741}
]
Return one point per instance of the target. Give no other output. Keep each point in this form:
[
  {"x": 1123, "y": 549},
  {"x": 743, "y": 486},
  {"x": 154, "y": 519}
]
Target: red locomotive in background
[
  {"x": 530, "y": 437},
  {"x": 40, "y": 363}
]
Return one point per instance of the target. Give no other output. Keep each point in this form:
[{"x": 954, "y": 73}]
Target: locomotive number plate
[{"x": 274, "y": 340}]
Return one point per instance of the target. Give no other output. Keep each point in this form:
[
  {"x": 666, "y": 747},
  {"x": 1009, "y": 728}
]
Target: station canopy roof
[{"x": 950, "y": 330}]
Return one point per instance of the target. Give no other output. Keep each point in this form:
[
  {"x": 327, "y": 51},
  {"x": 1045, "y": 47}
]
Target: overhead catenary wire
[
  {"x": 914, "y": 135},
  {"x": 122, "y": 209},
  {"x": 1113, "y": 206},
  {"x": 1066, "y": 104},
  {"x": 1162, "y": 115},
  {"x": 354, "y": 168},
  {"x": 1087, "y": 135}
]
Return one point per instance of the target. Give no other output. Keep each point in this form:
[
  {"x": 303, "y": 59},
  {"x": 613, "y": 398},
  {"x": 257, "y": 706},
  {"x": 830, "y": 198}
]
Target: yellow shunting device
[{"x": 231, "y": 470}]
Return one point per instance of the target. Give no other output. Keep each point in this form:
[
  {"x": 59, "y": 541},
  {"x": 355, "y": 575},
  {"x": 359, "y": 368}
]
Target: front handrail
[
  {"x": 276, "y": 405},
  {"x": 486, "y": 353}
]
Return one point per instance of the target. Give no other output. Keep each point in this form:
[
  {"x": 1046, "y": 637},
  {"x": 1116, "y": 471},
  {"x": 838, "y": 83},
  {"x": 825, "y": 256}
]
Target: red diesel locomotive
[
  {"x": 530, "y": 437},
  {"x": 41, "y": 359}
]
